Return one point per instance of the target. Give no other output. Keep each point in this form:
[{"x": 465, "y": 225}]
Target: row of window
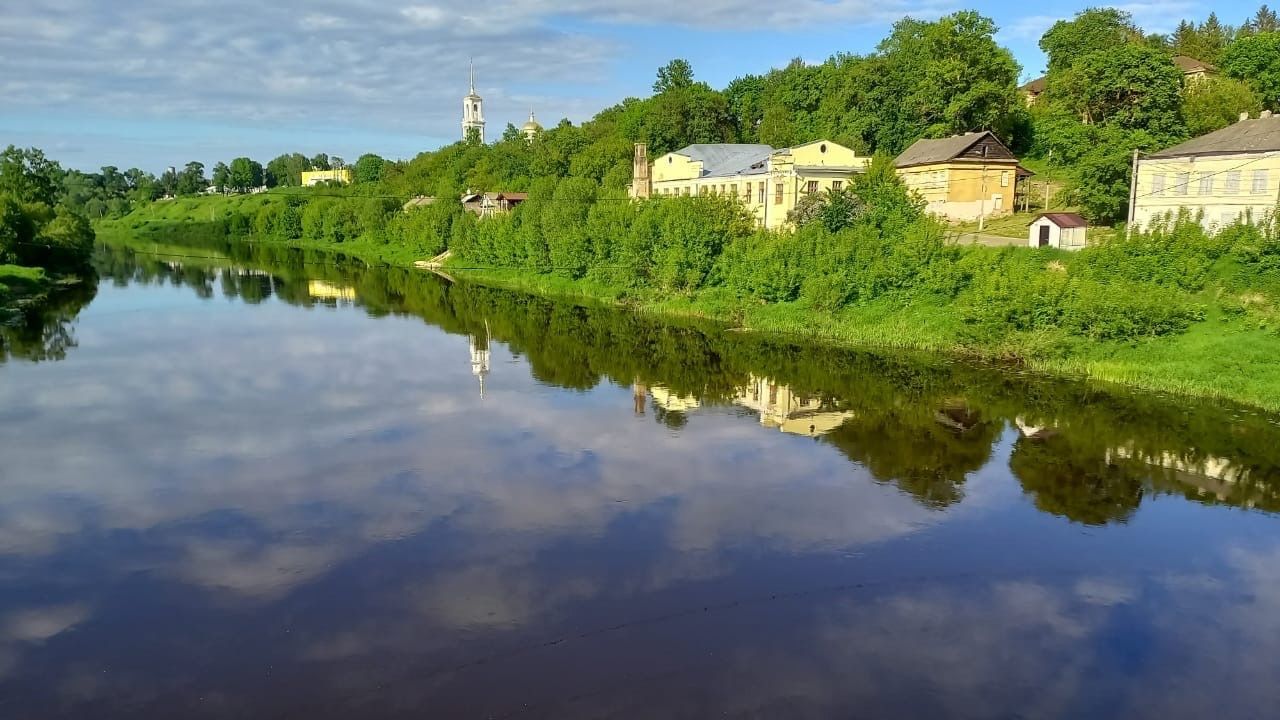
[
  {"x": 732, "y": 189},
  {"x": 1206, "y": 182}
]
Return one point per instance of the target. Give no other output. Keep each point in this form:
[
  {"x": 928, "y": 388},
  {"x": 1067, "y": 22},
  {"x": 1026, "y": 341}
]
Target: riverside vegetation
[{"x": 1173, "y": 308}]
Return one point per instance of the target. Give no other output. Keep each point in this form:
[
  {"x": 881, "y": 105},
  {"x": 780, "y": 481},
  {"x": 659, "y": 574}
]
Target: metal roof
[
  {"x": 728, "y": 158},
  {"x": 1246, "y": 136},
  {"x": 930, "y": 151},
  {"x": 1189, "y": 64},
  {"x": 1064, "y": 219}
]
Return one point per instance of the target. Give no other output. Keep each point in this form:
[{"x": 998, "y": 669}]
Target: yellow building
[
  {"x": 767, "y": 181},
  {"x": 1193, "y": 69},
  {"x": 1220, "y": 177},
  {"x": 963, "y": 177},
  {"x": 780, "y": 407},
  {"x": 315, "y": 177}
]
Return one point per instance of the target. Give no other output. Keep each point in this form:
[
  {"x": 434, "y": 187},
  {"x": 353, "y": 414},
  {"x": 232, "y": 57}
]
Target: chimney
[
  {"x": 1244, "y": 116},
  {"x": 1264, "y": 114},
  {"x": 641, "y": 180}
]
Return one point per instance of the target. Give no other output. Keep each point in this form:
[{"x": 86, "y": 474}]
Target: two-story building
[
  {"x": 962, "y": 177},
  {"x": 1219, "y": 178},
  {"x": 768, "y": 181}
]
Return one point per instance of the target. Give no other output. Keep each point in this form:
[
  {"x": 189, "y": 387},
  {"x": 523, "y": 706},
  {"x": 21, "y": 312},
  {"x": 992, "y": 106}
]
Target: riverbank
[
  {"x": 1217, "y": 358},
  {"x": 19, "y": 286},
  {"x": 1230, "y": 351}
]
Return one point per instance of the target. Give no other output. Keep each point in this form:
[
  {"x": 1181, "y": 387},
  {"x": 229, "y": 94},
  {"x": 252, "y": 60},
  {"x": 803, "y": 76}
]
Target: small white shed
[{"x": 1059, "y": 230}]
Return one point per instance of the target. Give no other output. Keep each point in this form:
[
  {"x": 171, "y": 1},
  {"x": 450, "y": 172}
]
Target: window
[
  {"x": 761, "y": 200},
  {"x": 1233, "y": 182},
  {"x": 748, "y": 192},
  {"x": 702, "y": 190},
  {"x": 1004, "y": 178},
  {"x": 1259, "y": 181},
  {"x": 1157, "y": 184},
  {"x": 777, "y": 193},
  {"x": 1206, "y": 183},
  {"x": 811, "y": 186},
  {"x": 837, "y": 184},
  {"x": 1183, "y": 182},
  {"x": 733, "y": 190}
]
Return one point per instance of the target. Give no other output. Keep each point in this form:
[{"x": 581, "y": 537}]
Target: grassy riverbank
[
  {"x": 1175, "y": 311},
  {"x": 20, "y": 285},
  {"x": 1220, "y": 357}
]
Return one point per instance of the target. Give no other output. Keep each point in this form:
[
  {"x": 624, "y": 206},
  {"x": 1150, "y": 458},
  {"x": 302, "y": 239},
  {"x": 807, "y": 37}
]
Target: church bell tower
[{"x": 472, "y": 110}]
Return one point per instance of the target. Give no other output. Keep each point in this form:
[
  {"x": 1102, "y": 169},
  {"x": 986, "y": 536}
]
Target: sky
[{"x": 154, "y": 83}]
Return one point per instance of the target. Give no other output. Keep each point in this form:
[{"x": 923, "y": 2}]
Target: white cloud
[{"x": 350, "y": 63}]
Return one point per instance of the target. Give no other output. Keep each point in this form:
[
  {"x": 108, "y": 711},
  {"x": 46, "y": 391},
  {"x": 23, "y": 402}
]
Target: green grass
[{"x": 18, "y": 285}]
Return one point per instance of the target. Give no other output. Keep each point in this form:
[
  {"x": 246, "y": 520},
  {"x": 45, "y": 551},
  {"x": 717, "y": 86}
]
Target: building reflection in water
[
  {"x": 321, "y": 290},
  {"x": 479, "y": 347},
  {"x": 791, "y": 412}
]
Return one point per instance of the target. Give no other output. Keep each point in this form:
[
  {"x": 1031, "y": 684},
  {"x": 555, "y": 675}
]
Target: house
[
  {"x": 962, "y": 177},
  {"x": 1220, "y": 178},
  {"x": 489, "y": 204},
  {"x": 1032, "y": 91},
  {"x": 768, "y": 181},
  {"x": 418, "y": 201},
  {"x": 311, "y": 178},
  {"x": 1058, "y": 230},
  {"x": 1193, "y": 69}
]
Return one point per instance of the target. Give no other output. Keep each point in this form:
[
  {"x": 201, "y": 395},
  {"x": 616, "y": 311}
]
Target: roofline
[{"x": 1174, "y": 156}]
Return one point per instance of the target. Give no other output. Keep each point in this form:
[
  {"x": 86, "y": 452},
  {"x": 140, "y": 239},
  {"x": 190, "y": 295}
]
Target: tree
[
  {"x": 744, "y": 97},
  {"x": 1090, "y": 31},
  {"x": 1215, "y": 102},
  {"x": 675, "y": 75},
  {"x": 221, "y": 176},
  {"x": 1256, "y": 60},
  {"x": 320, "y": 162},
  {"x": 1205, "y": 41},
  {"x": 30, "y": 177},
  {"x": 1263, "y": 21},
  {"x": 244, "y": 174},
  {"x": 191, "y": 181},
  {"x": 368, "y": 168},
  {"x": 1131, "y": 86},
  {"x": 286, "y": 170}
]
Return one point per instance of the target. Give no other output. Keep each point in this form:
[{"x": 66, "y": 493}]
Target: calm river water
[{"x": 266, "y": 485}]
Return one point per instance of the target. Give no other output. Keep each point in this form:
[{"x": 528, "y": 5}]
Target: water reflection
[{"x": 280, "y": 506}]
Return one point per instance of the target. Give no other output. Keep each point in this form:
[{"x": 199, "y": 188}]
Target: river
[{"x": 250, "y": 482}]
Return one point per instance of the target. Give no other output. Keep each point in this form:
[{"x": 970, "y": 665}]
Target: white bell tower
[{"x": 472, "y": 109}]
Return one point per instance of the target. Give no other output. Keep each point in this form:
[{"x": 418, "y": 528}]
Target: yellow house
[
  {"x": 1220, "y": 177},
  {"x": 963, "y": 177},
  {"x": 769, "y": 182},
  {"x": 315, "y": 177}
]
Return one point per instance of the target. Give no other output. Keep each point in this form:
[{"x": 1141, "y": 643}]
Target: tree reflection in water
[{"x": 921, "y": 423}]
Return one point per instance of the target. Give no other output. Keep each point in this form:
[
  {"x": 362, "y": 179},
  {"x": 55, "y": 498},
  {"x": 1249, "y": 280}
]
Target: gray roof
[
  {"x": 929, "y": 151},
  {"x": 1245, "y": 136},
  {"x": 728, "y": 158}
]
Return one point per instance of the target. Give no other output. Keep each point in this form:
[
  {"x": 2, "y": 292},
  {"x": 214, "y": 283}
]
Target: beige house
[
  {"x": 768, "y": 181},
  {"x": 1193, "y": 69},
  {"x": 962, "y": 177},
  {"x": 1032, "y": 91},
  {"x": 1221, "y": 177}
]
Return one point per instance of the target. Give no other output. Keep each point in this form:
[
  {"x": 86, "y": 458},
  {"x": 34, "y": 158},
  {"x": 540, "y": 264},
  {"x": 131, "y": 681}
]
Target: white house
[{"x": 1065, "y": 231}]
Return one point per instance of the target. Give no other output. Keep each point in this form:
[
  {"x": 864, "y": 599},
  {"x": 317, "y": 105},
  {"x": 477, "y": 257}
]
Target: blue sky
[{"x": 153, "y": 83}]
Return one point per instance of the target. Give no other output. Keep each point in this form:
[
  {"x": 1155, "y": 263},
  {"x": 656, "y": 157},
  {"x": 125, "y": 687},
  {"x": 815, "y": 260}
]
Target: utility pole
[{"x": 982, "y": 201}]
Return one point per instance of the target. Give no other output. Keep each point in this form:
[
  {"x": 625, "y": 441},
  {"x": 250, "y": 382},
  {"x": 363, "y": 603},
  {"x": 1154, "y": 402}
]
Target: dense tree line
[
  {"x": 39, "y": 225},
  {"x": 1112, "y": 88}
]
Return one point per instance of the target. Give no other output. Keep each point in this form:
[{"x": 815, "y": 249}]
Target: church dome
[{"x": 532, "y": 126}]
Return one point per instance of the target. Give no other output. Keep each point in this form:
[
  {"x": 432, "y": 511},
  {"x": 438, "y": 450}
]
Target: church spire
[{"x": 472, "y": 63}]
